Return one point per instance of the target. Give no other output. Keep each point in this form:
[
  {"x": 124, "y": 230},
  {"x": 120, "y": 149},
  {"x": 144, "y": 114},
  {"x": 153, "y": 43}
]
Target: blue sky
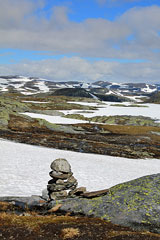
[{"x": 86, "y": 40}]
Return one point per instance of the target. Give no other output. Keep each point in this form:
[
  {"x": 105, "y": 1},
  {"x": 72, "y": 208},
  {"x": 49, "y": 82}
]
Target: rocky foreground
[{"x": 134, "y": 204}]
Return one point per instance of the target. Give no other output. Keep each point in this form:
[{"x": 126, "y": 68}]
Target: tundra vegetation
[{"x": 125, "y": 136}]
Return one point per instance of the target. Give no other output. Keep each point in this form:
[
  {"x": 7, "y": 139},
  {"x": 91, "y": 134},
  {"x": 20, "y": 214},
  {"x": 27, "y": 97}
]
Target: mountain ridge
[{"x": 98, "y": 89}]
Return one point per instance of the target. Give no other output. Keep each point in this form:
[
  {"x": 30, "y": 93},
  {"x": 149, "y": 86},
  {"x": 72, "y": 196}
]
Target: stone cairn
[{"x": 62, "y": 180}]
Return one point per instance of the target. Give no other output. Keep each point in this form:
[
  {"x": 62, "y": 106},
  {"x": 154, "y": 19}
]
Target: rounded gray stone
[{"x": 61, "y": 165}]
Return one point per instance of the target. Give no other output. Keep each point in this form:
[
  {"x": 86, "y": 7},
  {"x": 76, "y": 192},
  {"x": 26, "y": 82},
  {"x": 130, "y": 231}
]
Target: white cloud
[
  {"x": 76, "y": 68},
  {"x": 21, "y": 29},
  {"x": 92, "y": 37}
]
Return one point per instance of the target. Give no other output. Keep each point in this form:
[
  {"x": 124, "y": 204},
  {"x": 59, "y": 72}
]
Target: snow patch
[
  {"x": 106, "y": 109},
  {"x": 24, "y": 168},
  {"x": 147, "y": 89},
  {"x": 42, "y": 86},
  {"x": 34, "y": 102},
  {"x": 55, "y": 119}
]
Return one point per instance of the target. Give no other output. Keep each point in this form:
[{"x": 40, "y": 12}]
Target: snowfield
[
  {"x": 103, "y": 109},
  {"x": 107, "y": 109},
  {"x": 24, "y": 168},
  {"x": 55, "y": 119}
]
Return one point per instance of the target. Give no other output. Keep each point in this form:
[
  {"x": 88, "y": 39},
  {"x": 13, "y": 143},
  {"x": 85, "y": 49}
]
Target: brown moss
[
  {"x": 51, "y": 227},
  {"x": 131, "y": 130}
]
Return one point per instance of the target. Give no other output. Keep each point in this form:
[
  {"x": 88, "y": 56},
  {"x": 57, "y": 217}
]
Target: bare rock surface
[
  {"x": 61, "y": 165},
  {"x": 134, "y": 204}
]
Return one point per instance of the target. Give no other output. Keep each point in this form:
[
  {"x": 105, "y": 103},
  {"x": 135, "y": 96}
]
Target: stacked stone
[{"x": 62, "y": 179}]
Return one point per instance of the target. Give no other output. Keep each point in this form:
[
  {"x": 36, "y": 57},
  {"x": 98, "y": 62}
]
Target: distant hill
[
  {"x": 154, "y": 98},
  {"x": 102, "y": 90},
  {"x": 72, "y": 92}
]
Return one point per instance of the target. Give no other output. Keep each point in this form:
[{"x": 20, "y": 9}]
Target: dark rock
[
  {"x": 72, "y": 92},
  {"x": 52, "y": 181},
  {"x": 25, "y": 202},
  {"x": 35, "y": 201},
  {"x": 61, "y": 165},
  {"x": 135, "y": 204}
]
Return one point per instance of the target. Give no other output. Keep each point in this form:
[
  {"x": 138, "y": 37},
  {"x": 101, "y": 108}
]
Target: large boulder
[{"x": 135, "y": 204}]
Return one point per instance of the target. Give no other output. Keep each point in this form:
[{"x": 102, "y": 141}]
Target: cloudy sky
[{"x": 88, "y": 40}]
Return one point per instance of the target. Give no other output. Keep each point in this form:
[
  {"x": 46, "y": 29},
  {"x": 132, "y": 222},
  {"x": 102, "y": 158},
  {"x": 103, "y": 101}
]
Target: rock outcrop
[
  {"x": 135, "y": 204},
  {"x": 62, "y": 179}
]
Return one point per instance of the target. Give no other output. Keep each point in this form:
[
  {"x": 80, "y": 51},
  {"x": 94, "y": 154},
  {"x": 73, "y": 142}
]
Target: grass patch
[{"x": 68, "y": 233}]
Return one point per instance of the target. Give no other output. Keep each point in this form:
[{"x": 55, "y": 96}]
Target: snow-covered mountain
[{"x": 31, "y": 85}]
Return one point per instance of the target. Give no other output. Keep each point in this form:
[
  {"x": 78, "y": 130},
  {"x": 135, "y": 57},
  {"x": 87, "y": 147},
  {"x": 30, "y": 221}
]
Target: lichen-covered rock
[
  {"x": 135, "y": 203},
  {"x": 61, "y": 165}
]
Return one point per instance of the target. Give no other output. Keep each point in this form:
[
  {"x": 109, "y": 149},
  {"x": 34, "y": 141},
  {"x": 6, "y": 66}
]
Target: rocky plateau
[{"x": 125, "y": 136}]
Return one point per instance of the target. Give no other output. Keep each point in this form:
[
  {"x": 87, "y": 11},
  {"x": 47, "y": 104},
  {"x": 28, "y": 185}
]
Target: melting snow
[
  {"x": 147, "y": 89},
  {"x": 146, "y": 110},
  {"x": 34, "y": 102},
  {"x": 24, "y": 168},
  {"x": 55, "y": 119},
  {"x": 42, "y": 86},
  {"x": 91, "y": 104}
]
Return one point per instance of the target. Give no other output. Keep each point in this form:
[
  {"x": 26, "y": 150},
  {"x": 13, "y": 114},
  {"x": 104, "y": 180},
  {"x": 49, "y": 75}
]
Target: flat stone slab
[{"x": 95, "y": 193}]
